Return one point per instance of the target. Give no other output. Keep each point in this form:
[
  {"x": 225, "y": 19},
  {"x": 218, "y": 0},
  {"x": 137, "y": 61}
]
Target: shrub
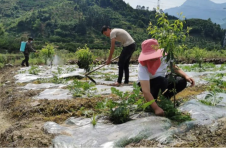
[
  {"x": 3, "y": 59},
  {"x": 34, "y": 70},
  {"x": 48, "y": 53},
  {"x": 85, "y": 58}
]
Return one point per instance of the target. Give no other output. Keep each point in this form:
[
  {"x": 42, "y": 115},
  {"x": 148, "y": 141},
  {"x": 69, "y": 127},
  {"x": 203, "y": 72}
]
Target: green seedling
[
  {"x": 78, "y": 88},
  {"x": 211, "y": 99},
  {"x": 34, "y": 70},
  {"x": 93, "y": 120}
]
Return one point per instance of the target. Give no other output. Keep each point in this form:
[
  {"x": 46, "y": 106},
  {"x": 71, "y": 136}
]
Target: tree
[
  {"x": 48, "y": 53},
  {"x": 143, "y": 8},
  {"x": 199, "y": 54},
  {"x": 140, "y": 24},
  {"x": 37, "y": 25},
  {"x": 169, "y": 35},
  {"x": 81, "y": 28}
]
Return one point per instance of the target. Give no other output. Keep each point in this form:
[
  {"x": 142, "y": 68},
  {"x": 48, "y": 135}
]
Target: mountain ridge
[
  {"x": 203, "y": 9},
  {"x": 70, "y": 24}
]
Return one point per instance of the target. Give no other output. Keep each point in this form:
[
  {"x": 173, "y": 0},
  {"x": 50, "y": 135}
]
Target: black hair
[
  {"x": 30, "y": 38},
  {"x": 104, "y": 28}
]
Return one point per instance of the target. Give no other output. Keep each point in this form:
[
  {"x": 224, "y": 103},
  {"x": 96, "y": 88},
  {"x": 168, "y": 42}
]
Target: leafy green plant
[
  {"x": 119, "y": 111},
  {"x": 211, "y": 99},
  {"x": 171, "y": 112},
  {"x": 34, "y": 70},
  {"x": 109, "y": 77},
  {"x": 222, "y": 67},
  {"x": 85, "y": 58},
  {"x": 57, "y": 80},
  {"x": 169, "y": 35},
  {"x": 119, "y": 114},
  {"x": 59, "y": 70},
  {"x": 48, "y": 53},
  {"x": 216, "y": 83},
  {"x": 199, "y": 54},
  {"x": 79, "y": 88}
]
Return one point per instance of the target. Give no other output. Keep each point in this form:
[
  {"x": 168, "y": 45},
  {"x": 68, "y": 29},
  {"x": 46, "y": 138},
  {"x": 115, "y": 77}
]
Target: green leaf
[{"x": 144, "y": 106}]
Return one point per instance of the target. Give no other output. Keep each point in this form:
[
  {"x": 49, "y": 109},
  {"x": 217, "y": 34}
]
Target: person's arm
[
  {"x": 31, "y": 49},
  {"x": 145, "y": 86},
  {"x": 111, "y": 51},
  {"x": 180, "y": 72}
]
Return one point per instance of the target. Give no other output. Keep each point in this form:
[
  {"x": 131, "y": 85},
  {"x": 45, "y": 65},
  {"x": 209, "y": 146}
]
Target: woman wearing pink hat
[{"x": 152, "y": 70}]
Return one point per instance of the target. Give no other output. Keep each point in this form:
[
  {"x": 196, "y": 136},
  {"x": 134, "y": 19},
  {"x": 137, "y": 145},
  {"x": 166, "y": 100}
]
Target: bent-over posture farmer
[
  {"x": 152, "y": 74},
  {"x": 128, "y": 43},
  {"x": 28, "y": 49}
]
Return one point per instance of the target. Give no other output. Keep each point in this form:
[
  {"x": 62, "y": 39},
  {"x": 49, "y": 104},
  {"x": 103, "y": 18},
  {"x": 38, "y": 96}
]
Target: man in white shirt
[{"x": 129, "y": 45}]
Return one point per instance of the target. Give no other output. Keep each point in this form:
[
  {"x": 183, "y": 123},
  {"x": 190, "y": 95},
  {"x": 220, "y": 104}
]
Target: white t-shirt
[
  {"x": 122, "y": 36},
  {"x": 144, "y": 74}
]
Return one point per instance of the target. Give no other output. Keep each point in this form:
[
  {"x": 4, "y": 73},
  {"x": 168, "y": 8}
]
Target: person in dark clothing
[
  {"x": 129, "y": 46},
  {"x": 152, "y": 70},
  {"x": 165, "y": 84},
  {"x": 27, "y": 51}
]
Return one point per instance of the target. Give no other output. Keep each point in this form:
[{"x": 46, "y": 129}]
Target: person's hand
[
  {"x": 108, "y": 61},
  {"x": 190, "y": 80},
  {"x": 159, "y": 112}
]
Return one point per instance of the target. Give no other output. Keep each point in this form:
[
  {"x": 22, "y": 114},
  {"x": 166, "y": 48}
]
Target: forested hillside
[{"x": 70, "y": 24}]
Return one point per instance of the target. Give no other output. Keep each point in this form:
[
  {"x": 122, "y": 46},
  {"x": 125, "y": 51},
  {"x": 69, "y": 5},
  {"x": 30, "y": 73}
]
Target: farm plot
[{"x": 122, "y": 116}]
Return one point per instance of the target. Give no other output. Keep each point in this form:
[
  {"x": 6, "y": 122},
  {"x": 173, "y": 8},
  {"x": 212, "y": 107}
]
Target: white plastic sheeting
[
  {"x": 42, "y": 86},
  {"x": 201, "y": 114},
  {"x": 105, "y": 135},
  {"x": 83, "y": 134},
  {"x": 52, "y": 94},
  {"x": 204, "y": 114}
]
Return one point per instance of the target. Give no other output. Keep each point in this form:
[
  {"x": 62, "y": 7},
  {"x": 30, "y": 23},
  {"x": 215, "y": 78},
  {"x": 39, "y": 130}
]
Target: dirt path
[{"x": 4, "y": 123}]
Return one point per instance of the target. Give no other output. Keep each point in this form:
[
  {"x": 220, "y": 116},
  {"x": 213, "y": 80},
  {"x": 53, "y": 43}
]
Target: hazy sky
[{"x": 164, "y": 4}]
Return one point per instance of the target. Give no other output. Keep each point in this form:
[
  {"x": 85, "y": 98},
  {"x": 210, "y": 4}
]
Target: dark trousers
[
  {"x": 163, "y": 83},
  {"x": 25, "y": 60},
  {"x": 123, "y": 63}
]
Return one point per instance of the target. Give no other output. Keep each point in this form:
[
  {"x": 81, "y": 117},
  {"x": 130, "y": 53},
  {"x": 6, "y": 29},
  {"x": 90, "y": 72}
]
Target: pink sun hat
[{"x": 150, "y": 50}]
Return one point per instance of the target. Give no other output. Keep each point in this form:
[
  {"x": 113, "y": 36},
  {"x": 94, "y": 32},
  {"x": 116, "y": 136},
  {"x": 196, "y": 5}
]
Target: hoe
[{"x": 86, "y": 75}]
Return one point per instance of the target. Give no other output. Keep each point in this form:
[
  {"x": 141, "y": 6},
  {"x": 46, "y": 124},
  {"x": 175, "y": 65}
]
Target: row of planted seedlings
[
  {"x": 129, "y": 103},
  {"x": 216, "y": 81},
  {"x": 120, "y": 106},
  {"x": 119, "y": 111},
  {"x": 205, "y": 67},
  {"x": 216, "y": 85}
]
